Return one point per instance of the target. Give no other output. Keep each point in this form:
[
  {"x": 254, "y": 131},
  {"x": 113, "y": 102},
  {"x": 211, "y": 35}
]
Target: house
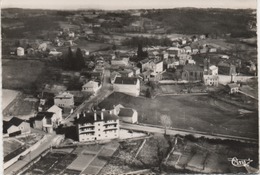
[
  {"x": 68, "y": 43},
  {"x": 224, "y": 57},
  {"x": 16, "y": 126},
  {"x": 213, "y": 70},
  {"x": 225, "y": 68},
  {"x": 96, "y": 75},
  {"x": 212, "y": 50},
  {"x": 45, "y": 121},
  {"x": 65, "y": 100},
  {"x": 91, "y": 87},
  {"x": 57, "y": 113},
  {"x": 128, "y": 115},
  {"x": 30, "y": 51},
  {"x": 211, "y": 80},
  {"x": 144, "y": 64},
  {"x": 120, "y": 62},
  {"x": 192, "y": 72},
  {"x": 55, "y": 53},
  {"x": 184, "y": 58},
  {"x": 136, "y": 71},
  {"x": 71, "y": 34},
  {"x": 187, "y": 49},
  {"x": 20, "y": 51},
  {"x": 43, "y": 47},
  {"x": 126, "y": 73},
  {"x": 127, "y": 85},
  {"x": 173, "y": 51},
  {"x": 204, "y": 50},
  {"x": 195, "y": 51},
  {"x": 158, "y": 67},
  {"x": 233, "y": 88},
  {"x": 146, "y": 75},
  {"x": 202, "y": 37},
  {"x": 97, "y": 125},
  {"x": 113, "y": 76},
  {"x": 172, "y": 62}
]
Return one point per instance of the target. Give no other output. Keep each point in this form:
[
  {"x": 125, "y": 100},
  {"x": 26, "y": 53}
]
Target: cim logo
[{"x": 240, "y": 162}]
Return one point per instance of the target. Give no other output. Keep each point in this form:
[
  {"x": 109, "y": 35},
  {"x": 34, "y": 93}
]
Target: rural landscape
[{"x": 138, "y": 91}]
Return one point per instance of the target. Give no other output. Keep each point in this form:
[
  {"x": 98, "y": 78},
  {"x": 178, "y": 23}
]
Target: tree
[
  {"x": 79, "y": 60},
  {"x": 114, "y": 47},
  {"x": 68, "y": 60},
  {"x": 140, "y": 52},
  {"x": 165, "y": 121}
]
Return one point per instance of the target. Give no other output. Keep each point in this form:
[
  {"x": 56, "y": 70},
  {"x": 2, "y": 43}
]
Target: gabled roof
[
  {"x": 13, "y": 122},
  {"x": 232, "y": 85},
  {"x": 90, "y": 84},
  {"x": 213, "y": 67},
  {"x": 16, "y": 121},
  {"x": 64, "y": 95},
  {"x": 54, "y": 108},
  {"x": 192, "y": 67},
  {"x": 126, "y": 112},
  {"x": 89, "y": 117},
  {"x": 126, "y": 80},
  {"x": 42, "y": 115}
]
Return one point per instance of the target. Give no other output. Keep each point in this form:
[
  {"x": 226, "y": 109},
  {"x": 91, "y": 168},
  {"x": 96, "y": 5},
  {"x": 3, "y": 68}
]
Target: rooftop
[
  {"x": 126, "y": 80},
  {"x": 88, "y": 117},
  {"x": 42, "y": 115},
  {"x": 192, "y": 67},
  {"x": 126, "y": 112},
  {"x": 64, "y": 95}
]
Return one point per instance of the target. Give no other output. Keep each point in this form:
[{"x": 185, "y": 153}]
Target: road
[
  {"x": 104, "y": 92},
  {"x": 175, "y": 131},
  {"x": 21, "y": 163}
]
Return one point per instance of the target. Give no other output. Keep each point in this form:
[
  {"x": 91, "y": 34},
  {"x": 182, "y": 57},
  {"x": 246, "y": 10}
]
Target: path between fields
[
  {"x": 183, "y": 132},
  {"x": 21, "y": 163}
]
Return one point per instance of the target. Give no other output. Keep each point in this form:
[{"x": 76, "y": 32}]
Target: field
[
  {"x": 12, "y": 148},
  {"x": 8, "y": 97},
  {"x": 21, "y": 74},
  {"x": 208, "y": 157},
  {"x": 199, "y": 113}
]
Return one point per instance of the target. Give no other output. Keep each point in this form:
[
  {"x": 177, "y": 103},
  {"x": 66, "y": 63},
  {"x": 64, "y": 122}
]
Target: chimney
[
  {"x": 95, "y": 115},
  {"x": 102, "y": 114}
]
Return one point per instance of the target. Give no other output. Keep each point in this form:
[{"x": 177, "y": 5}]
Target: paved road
[
  {"x": 105, "y": 91},
  {"x": 21, "y": 163},
  {"x": 172, "y": 131}
]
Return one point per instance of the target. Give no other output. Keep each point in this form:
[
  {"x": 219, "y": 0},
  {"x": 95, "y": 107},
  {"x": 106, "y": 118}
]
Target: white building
[
  {"x": 158, "y": 67},
  {"x": 127, "y": 85},
  {"x": 120, "y": 62},
  {"x": 20, "y": 51},
  {"x": 65, "y": 100},
  {"x": 173, "y": 51},
  {"x": 91, "y": 87},
  {"x": 211, "y": 80},
  {"x": 128, "y": 115},
  {"x": 95, "y": 125},
  {"x": 213, "y": 70},
  {"x": 57, "y": 113}
]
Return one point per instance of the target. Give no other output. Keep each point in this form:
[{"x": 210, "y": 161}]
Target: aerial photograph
[{"x": 129, "y": 87}]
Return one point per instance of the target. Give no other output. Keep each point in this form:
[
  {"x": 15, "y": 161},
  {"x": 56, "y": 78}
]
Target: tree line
[{"x": 73, "y": 61}]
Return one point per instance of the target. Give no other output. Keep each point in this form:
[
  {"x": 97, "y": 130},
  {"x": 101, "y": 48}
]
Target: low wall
[
  {"x": 32, "y": 148},
  {"x": 225, "y": 79}
]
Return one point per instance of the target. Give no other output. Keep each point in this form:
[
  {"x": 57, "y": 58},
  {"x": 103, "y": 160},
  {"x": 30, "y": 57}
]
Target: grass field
[
  {"x": 20, "y": 74},
  {"x": 8, "y": 97},
  {"x": 198, "y": 113}
]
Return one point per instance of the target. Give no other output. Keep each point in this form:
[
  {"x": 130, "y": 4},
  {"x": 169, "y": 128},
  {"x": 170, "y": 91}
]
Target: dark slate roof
[
  {"x": 125, "y": 80},
  {"x": 41, "y": 115},
  {"x": 6, "y": 125},
  {"x": 89, "y": 117},
  {"x": 192, "y": 67},
  {"x": 16, "y": 121},
  {"x": 126, "y": 112}
]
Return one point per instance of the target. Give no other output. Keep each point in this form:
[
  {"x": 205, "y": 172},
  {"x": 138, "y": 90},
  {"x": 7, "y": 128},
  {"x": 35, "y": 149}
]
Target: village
[{"x": 118, "y": 92}]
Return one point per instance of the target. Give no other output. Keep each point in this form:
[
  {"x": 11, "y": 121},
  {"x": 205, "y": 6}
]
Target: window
[
  {"x": 98, "y": 129},
  {"x": 98, "y": 135},
  {"x": 48, "y": 121}
]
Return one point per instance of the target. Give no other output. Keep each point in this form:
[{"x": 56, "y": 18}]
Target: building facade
[
  {"x": 65, "y": 100},
  {"x": 95, "y": 125},
  {"x": 127, "y": 85}
]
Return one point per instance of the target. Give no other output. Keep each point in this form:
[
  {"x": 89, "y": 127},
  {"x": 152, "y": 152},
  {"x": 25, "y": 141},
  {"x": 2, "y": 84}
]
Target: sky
[{"x": 127, "y": 4}]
